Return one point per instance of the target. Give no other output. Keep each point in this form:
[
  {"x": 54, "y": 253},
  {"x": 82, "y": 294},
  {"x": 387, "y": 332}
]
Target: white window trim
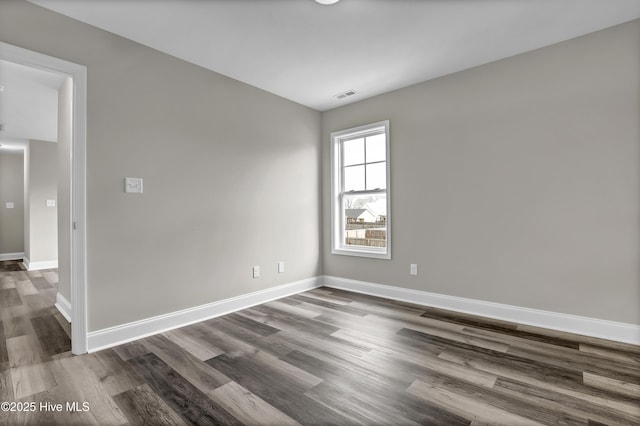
[{"x": 337, "y": 217}]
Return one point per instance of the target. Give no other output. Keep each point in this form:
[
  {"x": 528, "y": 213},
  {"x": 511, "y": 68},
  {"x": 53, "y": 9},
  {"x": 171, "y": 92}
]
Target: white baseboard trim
[
  {"x": 11, "y": 256},
  {"x": 610, "y": 330},
  {"x": 63, "y": 306},
  {"x": 113, "y": 336},
  {"x": 36, "y": 266}
]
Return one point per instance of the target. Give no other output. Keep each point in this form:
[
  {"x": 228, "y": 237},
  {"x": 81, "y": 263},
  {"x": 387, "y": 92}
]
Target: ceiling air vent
[{"x": 345, "y": 94}]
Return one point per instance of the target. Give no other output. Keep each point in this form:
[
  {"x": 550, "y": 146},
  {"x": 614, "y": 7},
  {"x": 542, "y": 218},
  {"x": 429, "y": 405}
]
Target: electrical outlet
[
  {"x": 280, "y": 267},
  {"x": 256, "y": 272},
  {"x": 413, "y": 269}
]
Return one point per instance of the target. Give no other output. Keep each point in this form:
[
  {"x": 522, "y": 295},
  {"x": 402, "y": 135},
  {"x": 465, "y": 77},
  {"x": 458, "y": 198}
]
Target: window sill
[{"x": 373, "y": 254}]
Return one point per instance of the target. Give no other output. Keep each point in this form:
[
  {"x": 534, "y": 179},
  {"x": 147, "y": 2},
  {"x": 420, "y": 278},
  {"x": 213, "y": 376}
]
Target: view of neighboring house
[
  {"x": 359, "y": 216},
  {"x": 363, "y": 227}
]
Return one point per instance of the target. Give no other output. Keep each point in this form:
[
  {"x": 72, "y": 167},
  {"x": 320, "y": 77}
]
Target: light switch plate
[
  {"x": 413, "y": 269},
  {"x": 133, "y": 185},
  {"x": 280, "y": 267},
  {"x": 51, "y": 203},
  {"x": 9, "y": 205}
]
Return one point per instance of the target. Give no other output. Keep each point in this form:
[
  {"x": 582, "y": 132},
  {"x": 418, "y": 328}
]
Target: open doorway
[{"x": 70, "y": 202}]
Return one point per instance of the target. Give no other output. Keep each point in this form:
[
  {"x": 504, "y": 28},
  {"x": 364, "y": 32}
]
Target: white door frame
[{"x": 78, "y": 73}]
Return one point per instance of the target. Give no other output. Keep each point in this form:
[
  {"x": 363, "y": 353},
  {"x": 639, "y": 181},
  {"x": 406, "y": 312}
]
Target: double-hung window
[{"x": 360, "y": 198}]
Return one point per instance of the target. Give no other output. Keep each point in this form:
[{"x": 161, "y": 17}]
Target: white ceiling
[
  {"x": 28, "y": 103},
  {"x": 308, "y": 52}
]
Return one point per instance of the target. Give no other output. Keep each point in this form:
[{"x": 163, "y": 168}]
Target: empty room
[{"x": 280, "y": 212}]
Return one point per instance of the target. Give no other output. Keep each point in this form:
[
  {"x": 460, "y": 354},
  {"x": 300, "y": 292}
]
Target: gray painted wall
[
  {"x": 43, "y": 186},
  {"x": 515, "y": 182},
  {"x": 11, "y": 190},
  {"x": 231, "y": 174}
]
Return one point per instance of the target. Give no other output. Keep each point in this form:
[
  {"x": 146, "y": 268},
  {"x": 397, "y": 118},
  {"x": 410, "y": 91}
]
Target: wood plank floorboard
[
  {"x": 278, "y": 390},
  {"x": 190, "y": 340},
  {"x": 142, "y": 406},
  {"x": 181, "y": 395},
  {"x": 249, "y": 408},
  {"x": 259, "y": 328},
  {"x": 561, "y": 403},
  {"x": 199, "y": 374},
  {"x": 115, "y": 375},
  {"x": 10, "y": 297},
  {"x": 509, "y": 330},
  {"x": 53, "y": 339},
  {"x": 4, "y": 355},
  {"x": 324, "y": 356},
  {"x": 41, "y": 283},
  {"x": 332, "y": 305}
]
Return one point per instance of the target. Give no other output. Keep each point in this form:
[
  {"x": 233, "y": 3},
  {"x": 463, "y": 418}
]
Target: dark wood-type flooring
[{"x": 325, "y": 356}]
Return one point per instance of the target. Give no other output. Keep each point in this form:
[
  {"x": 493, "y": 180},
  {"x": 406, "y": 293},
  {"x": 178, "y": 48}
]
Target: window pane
[
  {"x": 376, "y": 149},
  {"x": 377, "y": 176},
  {"x": 365, "y": 220},
  {"x": 354, "y": 178},
  {"x": 353, "y": 151}
]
